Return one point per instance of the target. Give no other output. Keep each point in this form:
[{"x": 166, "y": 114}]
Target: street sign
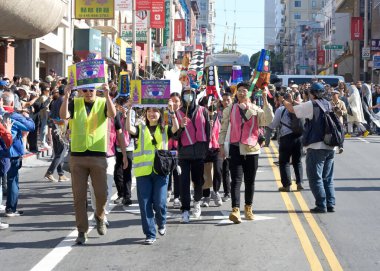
[
  {"x": 366, "y": 53},
  {"x": 333, "y": 47},
  {"x": 376, "y": 63}
]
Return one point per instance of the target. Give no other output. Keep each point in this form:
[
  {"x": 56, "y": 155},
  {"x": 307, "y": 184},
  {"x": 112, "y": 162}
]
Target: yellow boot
[
  {"x": 248, "y": 212},
  {"x": 235, "y": 215}
]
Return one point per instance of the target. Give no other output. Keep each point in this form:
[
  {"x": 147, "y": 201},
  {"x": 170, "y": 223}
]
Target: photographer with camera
[{"x": 319, "y": 155}]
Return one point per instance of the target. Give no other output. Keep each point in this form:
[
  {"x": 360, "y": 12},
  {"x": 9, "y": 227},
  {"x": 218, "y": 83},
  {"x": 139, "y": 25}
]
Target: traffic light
[{"x": 336, "y": 68}]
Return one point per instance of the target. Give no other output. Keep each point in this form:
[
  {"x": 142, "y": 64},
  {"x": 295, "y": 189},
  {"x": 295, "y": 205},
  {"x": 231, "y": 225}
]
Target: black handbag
[{"x": 164, "y": 161}]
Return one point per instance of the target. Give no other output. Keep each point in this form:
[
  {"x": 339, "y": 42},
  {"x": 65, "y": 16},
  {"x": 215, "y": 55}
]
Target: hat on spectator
[
  {"x": 3, "y": 83},
  {"x": 271, "y": 87},
  {"x": 294, "y": 86},
  {"x": 25, "y": 88},
  {"x": 335, "y": 91},
  {"x": 49, "y": 79}
]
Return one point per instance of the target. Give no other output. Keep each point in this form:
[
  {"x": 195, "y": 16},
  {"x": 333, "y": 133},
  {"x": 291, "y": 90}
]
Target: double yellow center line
[{"x": 314, "y": 261}]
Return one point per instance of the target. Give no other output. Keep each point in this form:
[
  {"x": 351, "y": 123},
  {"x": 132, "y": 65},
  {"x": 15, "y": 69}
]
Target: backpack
[
  {"x": 334, "y": 132},
  {"x": 296, "y": 124}
]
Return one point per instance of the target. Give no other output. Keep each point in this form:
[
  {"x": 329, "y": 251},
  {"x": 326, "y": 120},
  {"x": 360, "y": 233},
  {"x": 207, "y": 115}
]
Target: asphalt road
[{"x": 284, "y": 235}]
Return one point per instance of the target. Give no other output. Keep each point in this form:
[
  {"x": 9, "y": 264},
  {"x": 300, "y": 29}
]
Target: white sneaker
[
  {"x": 197, "y": 209},
  {"x": 3, "y": 226},
  {"x": 2, "y": 207},
  {"x": 176, "y": 203},
  {"x": 205, "y": 202},
  {"x": 185, "y": 217},
  {"x": 226, "y": 198},
  {"x": 217, "y": 199},
  {"x": 162, "y": 231}
]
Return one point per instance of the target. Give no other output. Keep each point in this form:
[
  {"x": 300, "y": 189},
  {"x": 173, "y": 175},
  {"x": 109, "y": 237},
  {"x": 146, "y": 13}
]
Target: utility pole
[
  {"x": 170, "y": 39},
  {"x": 135, "y": 66},
  {"x": 149, "y": 47},
  {"x": 365, "y": 70},
  {"x": 356, "y": 45}
]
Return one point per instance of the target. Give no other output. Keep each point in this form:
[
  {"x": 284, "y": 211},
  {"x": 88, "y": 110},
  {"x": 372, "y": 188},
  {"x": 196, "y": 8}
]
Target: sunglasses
[{"x": 85, "y": 90}]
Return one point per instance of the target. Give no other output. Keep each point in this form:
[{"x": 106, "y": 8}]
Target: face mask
[{"x": 188, "y": 98}]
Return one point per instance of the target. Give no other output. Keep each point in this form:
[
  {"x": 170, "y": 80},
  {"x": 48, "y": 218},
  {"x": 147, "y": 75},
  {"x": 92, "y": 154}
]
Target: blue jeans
[
  {"x": 12, "y": 181},
  {"x": 151, "y": 194},
  {"x": 320, "y": 172}
]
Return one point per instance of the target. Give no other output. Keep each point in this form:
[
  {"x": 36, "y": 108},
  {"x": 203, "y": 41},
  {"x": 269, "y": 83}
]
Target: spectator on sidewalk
[{"x": 21, "y": 123}]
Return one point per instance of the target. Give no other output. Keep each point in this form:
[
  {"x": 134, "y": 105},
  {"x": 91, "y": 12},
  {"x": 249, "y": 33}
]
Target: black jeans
[
  {"x": 242, "y": 165},
  {"x": 59, "y": 153},
  {"x": 123, "y": 177},
  {"x": 217, "y": 163},
  {"x": 174, "y": 182},
  {"x": 33, "y": 137},
  {"x": 290, "y": 146},
  {"x": 196, "y": 167},
  {"x": 226, "y": 177}
]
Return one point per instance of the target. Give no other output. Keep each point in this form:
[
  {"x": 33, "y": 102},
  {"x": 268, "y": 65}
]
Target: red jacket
[{"x": 5, "y": 135}]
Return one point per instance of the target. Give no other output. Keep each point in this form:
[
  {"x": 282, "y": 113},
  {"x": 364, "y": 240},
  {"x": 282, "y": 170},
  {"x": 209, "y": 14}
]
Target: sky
[{"x": 249, "y": 18}]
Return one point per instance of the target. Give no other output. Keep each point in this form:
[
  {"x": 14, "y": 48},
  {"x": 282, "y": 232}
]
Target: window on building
[
  {"x": 203, "y": 6},
  {"x": 297, "y": 4},
  {"x": 297, "y": 16},
  {"x": 323, "y": 3},
  {"x": 314, "y": 16},
  {"x": 313, "y": 3}
]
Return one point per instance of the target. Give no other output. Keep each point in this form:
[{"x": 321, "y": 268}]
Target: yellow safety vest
[
  {"x": 143, "y": 156},
  {"x": 89, "y": 132}
]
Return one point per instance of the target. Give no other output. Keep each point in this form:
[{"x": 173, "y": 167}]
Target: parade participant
[
  {"x": 355, "y": 115},
  {"x": 244, "y": 119},
  {"x": 60, "y": 145},
  {"x": 88, "y": 126},
  {"x": 213, "y": 161},
  {"x": 122, "y": 175},
  {"x": 290, "y": 146},
  {"x": 193, "y": 139},
  {"x": 21, "y": 123},
  {"x": 174, "y": 179},
  {"x": 151, "y": 187},
  {"x": 319, "y": 156},
  {"x": 226, "y": 101}
]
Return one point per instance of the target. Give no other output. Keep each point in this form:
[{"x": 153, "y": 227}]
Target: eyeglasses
[
  {"x": 242, "y": 90},
  {"x": 85, "y": 90}
]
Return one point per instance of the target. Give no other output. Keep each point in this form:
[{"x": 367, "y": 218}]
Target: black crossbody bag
[{"x": 165, "y": 161}]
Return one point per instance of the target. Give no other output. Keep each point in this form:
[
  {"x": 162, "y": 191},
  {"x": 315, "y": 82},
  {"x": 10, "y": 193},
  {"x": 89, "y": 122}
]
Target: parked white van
[{"x": 288, "y": 80}]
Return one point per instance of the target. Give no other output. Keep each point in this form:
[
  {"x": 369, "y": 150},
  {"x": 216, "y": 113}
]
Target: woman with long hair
[{"x": 151, "y": 187}]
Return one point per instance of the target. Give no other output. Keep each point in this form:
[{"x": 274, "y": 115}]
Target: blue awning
[{"x": 184, "y": 6}]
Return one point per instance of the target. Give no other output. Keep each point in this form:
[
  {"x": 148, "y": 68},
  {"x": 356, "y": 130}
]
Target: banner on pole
[
  {"x": 143, "y": 4},
  {"x": 157, "y": 14},
  {"x": 124, "y": 84},
  {"x": 179, "y": 30},
  {"x": 357, "y": 31},
  {"x": 123, "y": 4}
]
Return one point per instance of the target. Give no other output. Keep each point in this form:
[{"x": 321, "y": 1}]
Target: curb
[{"x": 43, "y": 152}]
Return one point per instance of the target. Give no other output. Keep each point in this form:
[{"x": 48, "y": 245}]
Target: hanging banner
[
  {"x": 357, "y": 31},
  {"x": 87, "y": 9},
  {"x": 179, "y": 30},
  {"x": 143, "y": 4},
  {"x": 142, "y": 20},
  {"x": 128, "y": 58},
  {"x": 88, "y": 74},
  {"x": 157, "y": 15},
  {"x": 321, "y": 57},
  {"x": 167, "y": 22},
  {"x": 123, "y": 4}
]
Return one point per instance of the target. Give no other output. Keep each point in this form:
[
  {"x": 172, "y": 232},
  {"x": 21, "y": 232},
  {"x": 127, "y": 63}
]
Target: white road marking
[
  {"x": 224, "y": 219},
  {"x": 363, "y": 140}
]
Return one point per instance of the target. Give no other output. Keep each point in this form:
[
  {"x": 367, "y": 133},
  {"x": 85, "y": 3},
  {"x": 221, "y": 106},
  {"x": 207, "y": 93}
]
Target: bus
[
  {"x": 225, "y": 61},
  {"x": 288, "y": 80}
]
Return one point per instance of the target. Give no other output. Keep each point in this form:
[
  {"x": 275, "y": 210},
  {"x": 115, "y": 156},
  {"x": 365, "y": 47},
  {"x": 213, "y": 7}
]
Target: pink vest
[
  {"x": 172, "y": 144},
  {"x": 247, "y": 132},
  {"x": 111, "y": 133},
  {"x": 127, "y": 138},
  {"x": 191, "y": 134},
  {"x": 215, "y": 135}
]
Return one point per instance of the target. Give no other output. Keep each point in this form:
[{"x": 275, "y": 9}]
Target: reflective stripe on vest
[
  {"x": 143, "y": 156},
  {"x": 89, "y": 132},
  {"x": 243, "y": 132},
  {"x": 193, "y": 134},
  {"x": 215, "y": 134}
]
